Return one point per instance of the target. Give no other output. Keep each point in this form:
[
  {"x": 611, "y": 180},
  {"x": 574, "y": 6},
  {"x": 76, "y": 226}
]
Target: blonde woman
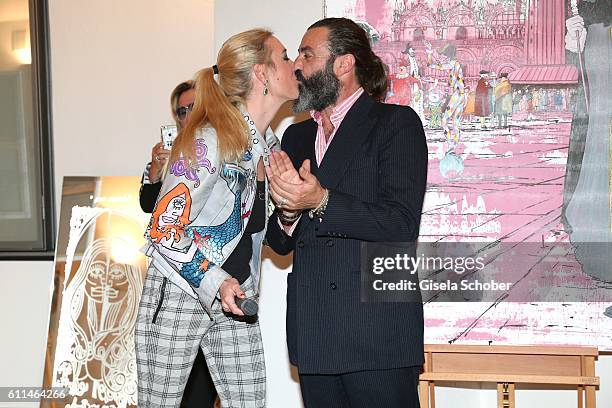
[
  {"x": 200, "y": 390},
  {"x": 207, "y": 229}
]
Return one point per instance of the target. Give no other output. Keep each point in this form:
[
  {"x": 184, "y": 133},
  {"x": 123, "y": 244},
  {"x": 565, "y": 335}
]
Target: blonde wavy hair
[{"x": 216, "y": 103}]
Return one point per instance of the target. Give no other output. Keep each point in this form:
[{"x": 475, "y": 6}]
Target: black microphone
[{"x": 249, "y": 306}]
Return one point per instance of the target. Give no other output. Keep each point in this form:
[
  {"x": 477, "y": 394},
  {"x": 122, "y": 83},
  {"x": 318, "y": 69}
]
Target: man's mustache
[{"x": 299, "y": 76}]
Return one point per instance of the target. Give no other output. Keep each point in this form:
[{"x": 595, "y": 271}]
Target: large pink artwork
[{"x": 514, "y": 98}]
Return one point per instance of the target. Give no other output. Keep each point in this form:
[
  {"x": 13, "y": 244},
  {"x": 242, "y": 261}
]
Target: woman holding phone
[
  {"x": 181, "y": 103},
  {"x": 207, "y": 228}
]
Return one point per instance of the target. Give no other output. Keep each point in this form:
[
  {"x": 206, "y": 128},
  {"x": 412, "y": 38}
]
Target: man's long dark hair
[{"x": 346, "y": 37}]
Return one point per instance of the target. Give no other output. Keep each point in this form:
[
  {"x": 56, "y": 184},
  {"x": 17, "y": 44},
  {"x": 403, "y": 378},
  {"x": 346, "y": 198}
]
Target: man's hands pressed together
[{"x": 293, "y": 191}]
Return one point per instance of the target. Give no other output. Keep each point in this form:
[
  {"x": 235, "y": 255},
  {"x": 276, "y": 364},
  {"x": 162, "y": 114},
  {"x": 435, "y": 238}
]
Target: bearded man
[{"x": 354, "y": 173}]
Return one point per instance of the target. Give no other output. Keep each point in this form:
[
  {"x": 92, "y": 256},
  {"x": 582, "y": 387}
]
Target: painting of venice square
[{"x": 514, "y": 99}]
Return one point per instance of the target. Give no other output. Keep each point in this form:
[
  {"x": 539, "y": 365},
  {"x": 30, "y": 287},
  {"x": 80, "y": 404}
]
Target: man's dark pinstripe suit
[{"x": 376, "y": 171}]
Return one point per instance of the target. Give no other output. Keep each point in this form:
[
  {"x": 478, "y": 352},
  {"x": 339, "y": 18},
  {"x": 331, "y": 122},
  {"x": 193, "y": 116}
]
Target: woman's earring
[{"x": 265, "y": 92}]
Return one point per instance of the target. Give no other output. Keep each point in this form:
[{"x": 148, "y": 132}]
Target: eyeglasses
[{"x": 182, "y": 111}]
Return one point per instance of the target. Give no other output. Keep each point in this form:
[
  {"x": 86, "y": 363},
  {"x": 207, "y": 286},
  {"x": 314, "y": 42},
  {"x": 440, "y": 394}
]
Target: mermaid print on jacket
[
  {"x": 170, "y": 222},
  {"x": 168, "y": 225},
  {"x": 212, "y": 239}
]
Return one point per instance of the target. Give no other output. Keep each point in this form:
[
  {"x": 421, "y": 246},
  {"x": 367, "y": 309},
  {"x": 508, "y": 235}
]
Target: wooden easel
[{"x": 507, "y": 366}]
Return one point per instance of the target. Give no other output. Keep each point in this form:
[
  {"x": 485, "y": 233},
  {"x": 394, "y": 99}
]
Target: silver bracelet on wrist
[{"x": 319, "y": 210}]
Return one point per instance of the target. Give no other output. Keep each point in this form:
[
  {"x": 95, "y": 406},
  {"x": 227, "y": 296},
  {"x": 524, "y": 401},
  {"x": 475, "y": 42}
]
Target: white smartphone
[{"x": 168, "y": 134}]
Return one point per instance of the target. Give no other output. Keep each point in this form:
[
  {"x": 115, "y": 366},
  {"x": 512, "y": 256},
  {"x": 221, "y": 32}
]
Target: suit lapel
[{"x": 353, "y": 131}]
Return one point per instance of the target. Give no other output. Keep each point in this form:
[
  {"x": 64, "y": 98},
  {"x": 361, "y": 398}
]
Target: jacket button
[
  {"x": 300, "y": 244},
  {"x": 332, "y": 286},
  {"x": 329, "y": 243}
]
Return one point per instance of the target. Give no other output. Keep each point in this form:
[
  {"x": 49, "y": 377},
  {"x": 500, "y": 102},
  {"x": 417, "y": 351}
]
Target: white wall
[
  {"x": 25, "y": 297},
  {"x": 111, "y": 78},
  {"x": 114, "y": 64}
]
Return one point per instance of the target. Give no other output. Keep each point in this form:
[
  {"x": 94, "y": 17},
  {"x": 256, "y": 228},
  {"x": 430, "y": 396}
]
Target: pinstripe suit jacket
[{"x": 376, "y": 171}]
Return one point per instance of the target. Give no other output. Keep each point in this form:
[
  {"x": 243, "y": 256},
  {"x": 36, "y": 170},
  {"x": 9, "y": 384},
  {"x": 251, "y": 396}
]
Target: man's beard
[{"x": 319, "y": 91}]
